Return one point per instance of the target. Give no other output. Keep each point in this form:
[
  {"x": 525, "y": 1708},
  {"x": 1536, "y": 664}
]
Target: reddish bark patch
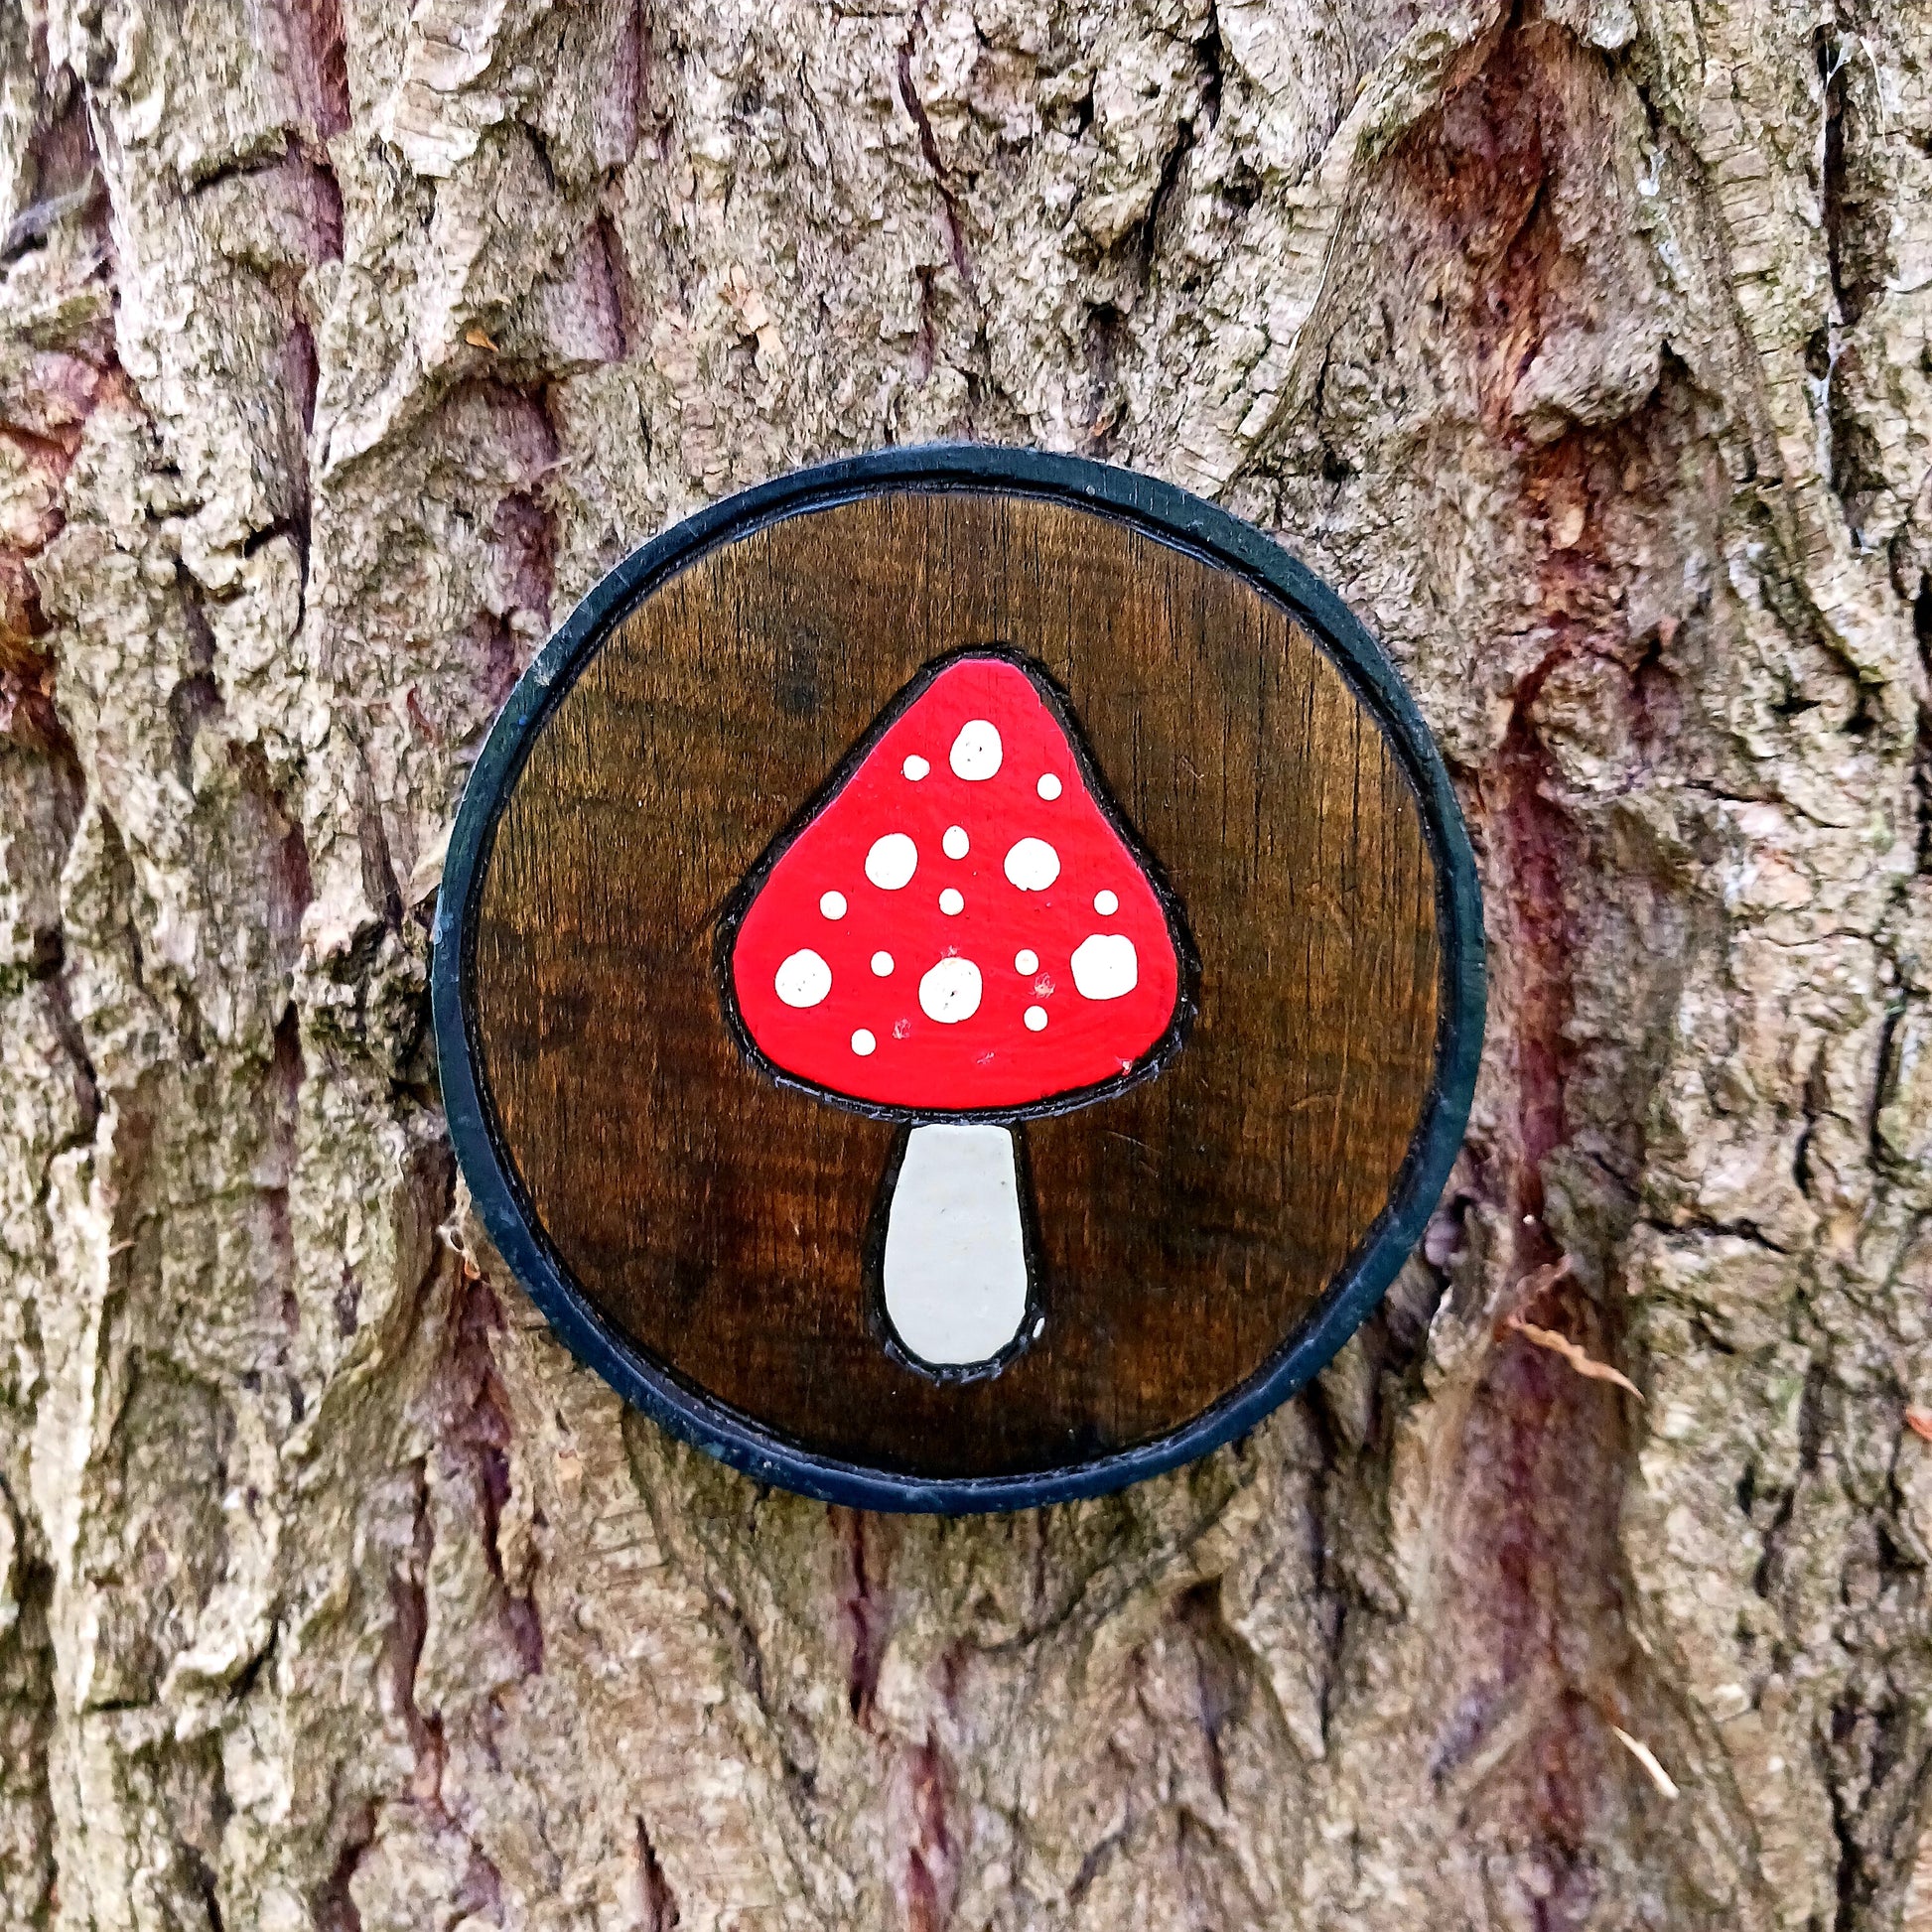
[
  {"x": 479, "y": 1427},
  {"x": 43, "y": 410},
  {"x": 659, "y": 1902},
  {"x": 620, "y": 293},
  {"x": 1477, "y": 173},
  {"x": 865, "y": 1609},
  {"x": 616, "y": 116},
  {"x": 320, "y": 196},
  {"x": 321, "y": 64},
  {"x": 335, "y": 1905},
  {"x": 402, "y": 1655},
  {"x": 1531, "y": 1533},
  {"x": 1533, "y": 850},
  {"x": 929, "y": 1883},
  {"x": 524, "y": 543}
]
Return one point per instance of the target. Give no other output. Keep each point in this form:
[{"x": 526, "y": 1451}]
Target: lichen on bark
[{"x": 1582, "y": 345}]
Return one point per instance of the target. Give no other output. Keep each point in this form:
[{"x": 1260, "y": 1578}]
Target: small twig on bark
[
  {"x": 1645, "y": 1756},
  {"x": 1540, "y": 1279},
  {"x": 1572, "y": 1353},
  {"x": 1530, "y": 1288}
]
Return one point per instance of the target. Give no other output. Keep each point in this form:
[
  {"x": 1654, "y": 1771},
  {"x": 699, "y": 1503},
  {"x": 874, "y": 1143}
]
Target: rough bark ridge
[{"x": 1583, "y": 346}]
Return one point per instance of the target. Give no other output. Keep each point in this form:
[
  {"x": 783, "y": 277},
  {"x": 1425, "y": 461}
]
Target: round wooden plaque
[{"x": 958, "y": 978}]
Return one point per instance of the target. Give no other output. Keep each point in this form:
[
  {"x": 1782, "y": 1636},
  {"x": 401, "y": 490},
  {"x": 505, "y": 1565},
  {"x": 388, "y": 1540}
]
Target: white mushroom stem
[{"x": 955, "y": 1266}]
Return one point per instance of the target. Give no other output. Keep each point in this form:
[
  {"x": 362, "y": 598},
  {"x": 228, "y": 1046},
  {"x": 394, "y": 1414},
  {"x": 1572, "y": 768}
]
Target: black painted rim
[{"x": 1173, "y": 516}]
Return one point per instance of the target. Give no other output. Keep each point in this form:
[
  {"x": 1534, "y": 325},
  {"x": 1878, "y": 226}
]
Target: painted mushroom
[{"x": 960, "y": 932}]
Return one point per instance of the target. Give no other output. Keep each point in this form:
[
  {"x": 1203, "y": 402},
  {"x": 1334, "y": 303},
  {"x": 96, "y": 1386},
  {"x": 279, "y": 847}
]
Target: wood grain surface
[{"x": 716, "y": 1221}]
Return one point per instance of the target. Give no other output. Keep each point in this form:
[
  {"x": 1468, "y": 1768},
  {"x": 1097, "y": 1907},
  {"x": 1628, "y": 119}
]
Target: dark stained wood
[{"x": 1186, "y": 1226}]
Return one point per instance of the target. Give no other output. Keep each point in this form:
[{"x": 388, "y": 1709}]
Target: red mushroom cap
[{"x": 961, "y": 927}]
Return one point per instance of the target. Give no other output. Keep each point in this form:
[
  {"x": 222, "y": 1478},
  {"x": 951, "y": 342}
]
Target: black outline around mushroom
[{"x": 1148, "y": 1065}]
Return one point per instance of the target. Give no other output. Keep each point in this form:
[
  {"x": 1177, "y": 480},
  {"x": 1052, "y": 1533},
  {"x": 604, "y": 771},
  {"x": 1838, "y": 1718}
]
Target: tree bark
[{"x": 1583, "y": 347}]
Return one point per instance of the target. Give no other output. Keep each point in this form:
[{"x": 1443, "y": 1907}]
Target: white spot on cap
[
  {"x": 832, "y": 904},
  {"x": 1048, "y": 786},
  {"x": 882, "y": 964},
  {"x": 863, "y": 1042},
  {"x": 950, "y": 992},
  {"x": 956, "y": 843},
  {"x": 1026, "y": 961},
  {"x": 802, "y": 980},
  {"x": 915, "y": 767},
  {"x": 1032, "y": 864},
  {"x": 977, "y": 750},
  {"x": 892, "y": 861},
  {"x": 1106, "y": 902},
  {"x": 1105, "y": 966},
  {"x": 1035, "y": 1020},
  {"x": 951, "y": 902}
]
